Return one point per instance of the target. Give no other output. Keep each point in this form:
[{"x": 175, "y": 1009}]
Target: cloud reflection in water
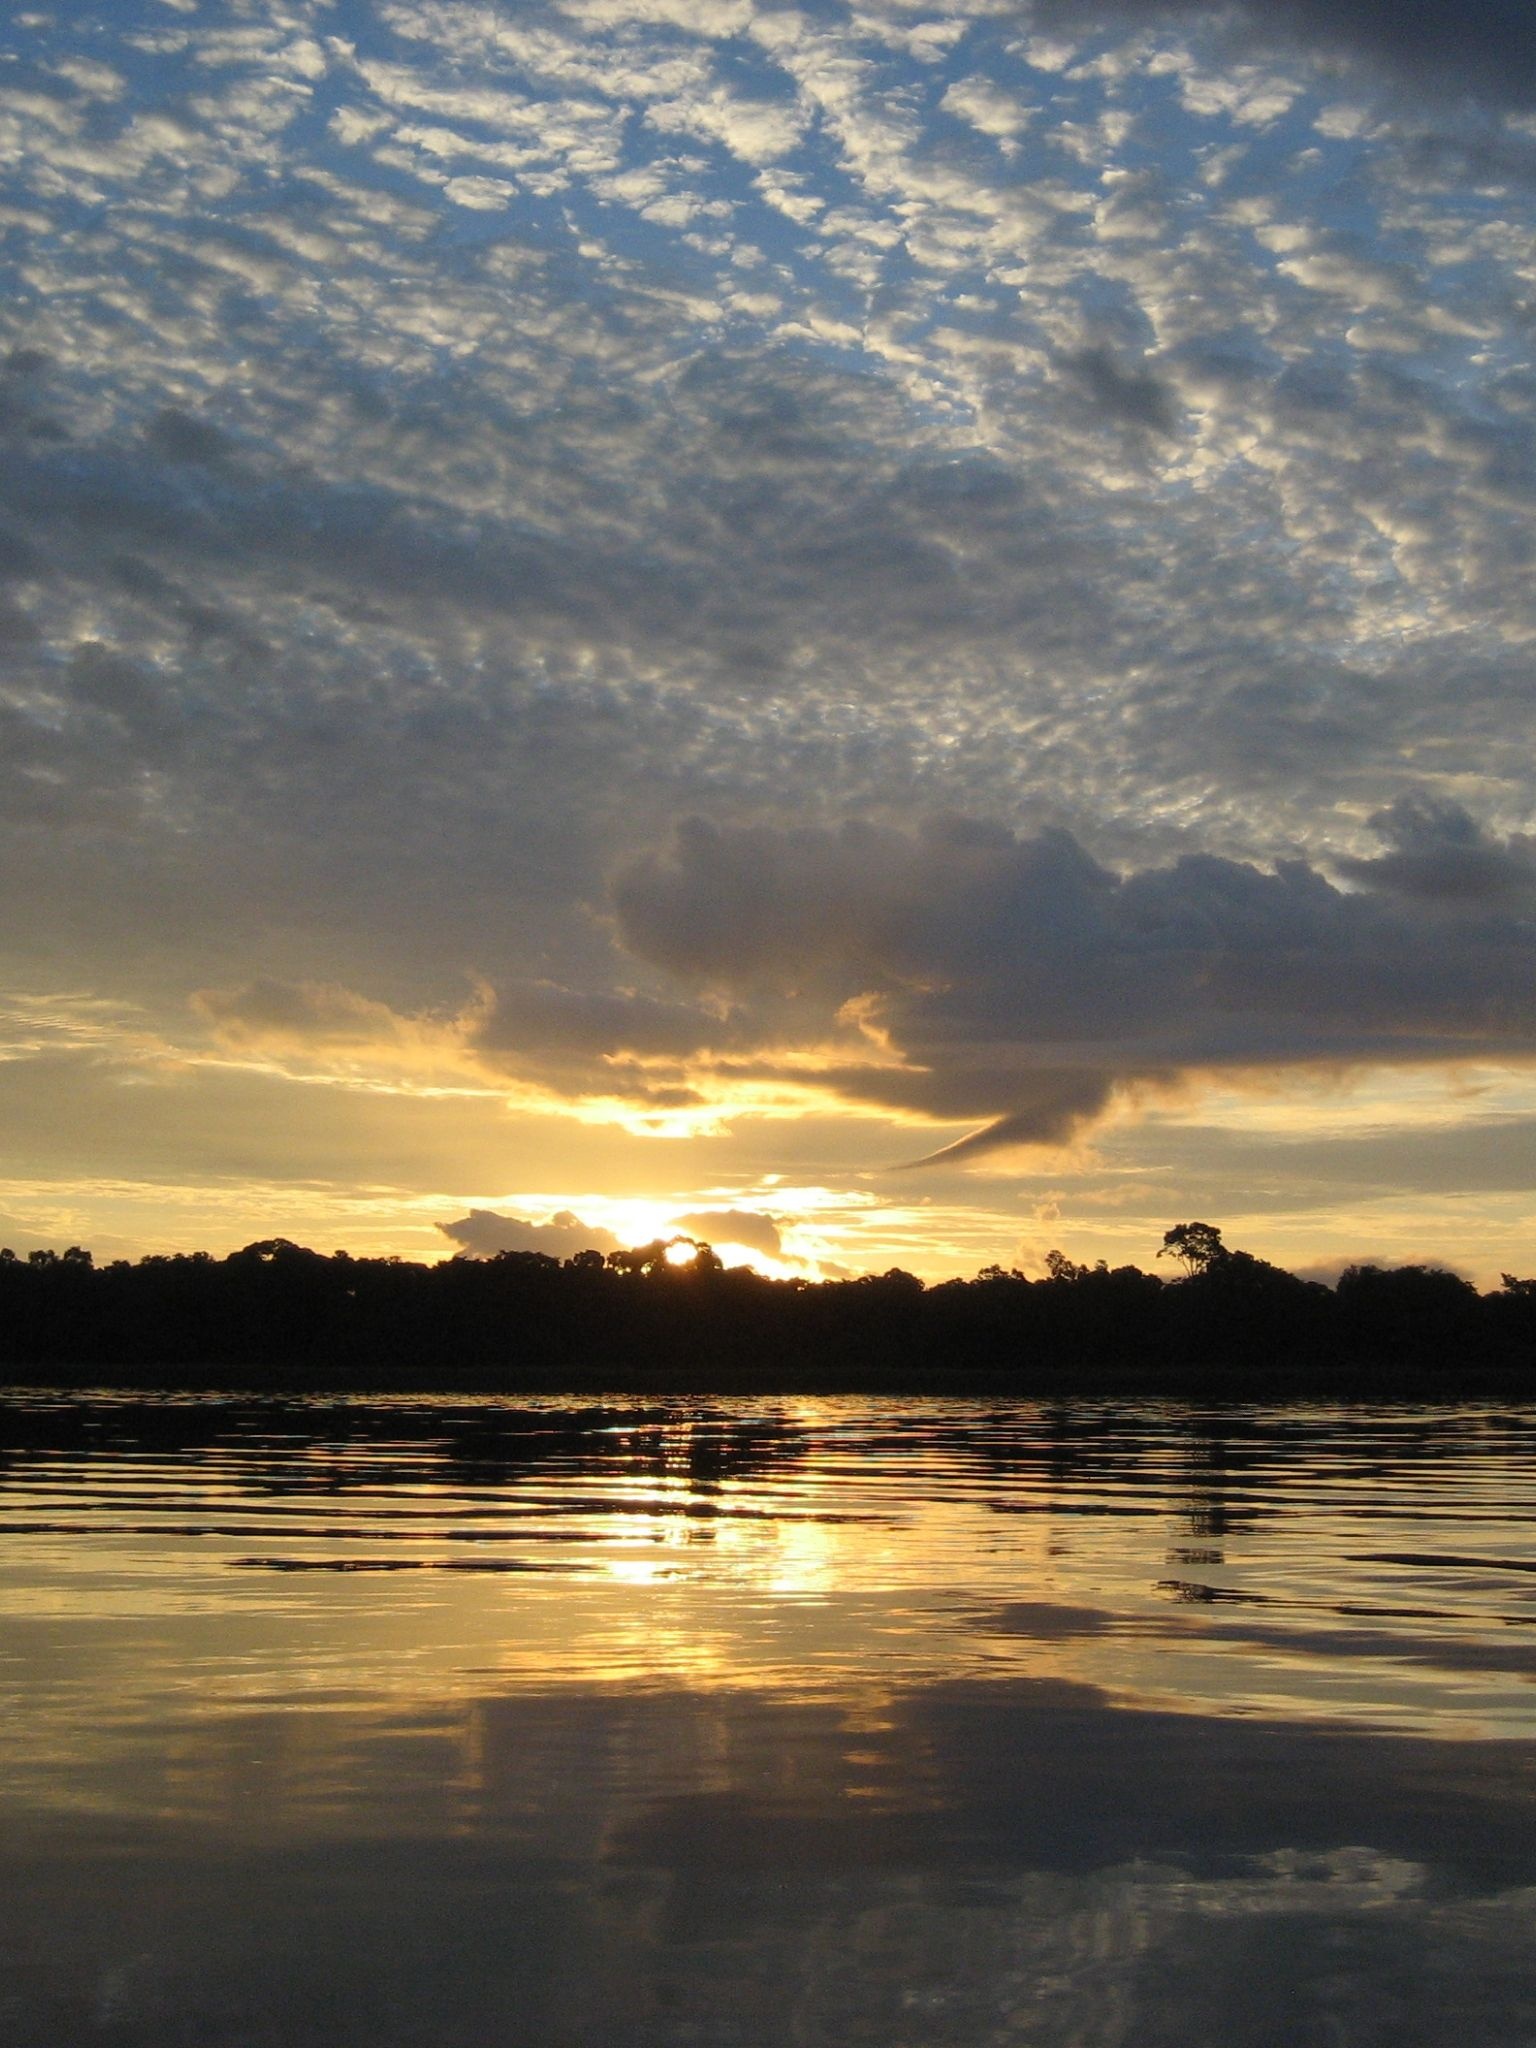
[{"x": 863, "y": 1760}]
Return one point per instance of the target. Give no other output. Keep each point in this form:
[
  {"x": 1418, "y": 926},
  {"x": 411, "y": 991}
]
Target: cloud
[
  {"x": 613, "y": 1051},
  {"x": 323, "y": 1019},
  {"x": 749, "y": 1227},
  {"x": 533, "y": 1018},
  {"x": 755, "y": 131},
  {"x": 180, "y": 438},
  {"x": 988, "y": 107},
  {"x": 87, "y": 1118},
  {"x": 483, "y": 1232},
  {"x": 1438, "y": 853},
  {"x": 541, "y": 525},
  {"x": 1018, "y": 980},
  {"x": 1438, "y": 46},
  {"x": 1129, "y": 431},
  {"x": 1129, "y": 395}
]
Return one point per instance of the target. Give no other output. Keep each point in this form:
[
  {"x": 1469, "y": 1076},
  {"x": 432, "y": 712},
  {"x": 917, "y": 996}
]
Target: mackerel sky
[{"x": 909, "y": 624}]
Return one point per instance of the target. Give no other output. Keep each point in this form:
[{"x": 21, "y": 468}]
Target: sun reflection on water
[
  {"x": 654, "y": 1722},
  {"x": 1293, "y": 1566}
]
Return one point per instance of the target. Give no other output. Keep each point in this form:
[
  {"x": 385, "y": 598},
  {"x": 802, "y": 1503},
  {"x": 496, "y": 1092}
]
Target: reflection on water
[{"x": 762, "y": 1722}]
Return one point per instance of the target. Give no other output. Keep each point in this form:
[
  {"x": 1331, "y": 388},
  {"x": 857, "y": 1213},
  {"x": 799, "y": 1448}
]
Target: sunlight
[{"x": 735, "y": 1255}]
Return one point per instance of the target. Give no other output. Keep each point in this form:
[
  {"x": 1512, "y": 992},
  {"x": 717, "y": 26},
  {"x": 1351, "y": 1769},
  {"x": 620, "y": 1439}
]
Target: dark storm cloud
[
  {"x": 542, "y": 1018},
  {"x": 1438, "y": 852},
  {"x": 1438, "y": 46},
  {"x": 1022, "y": 981}
]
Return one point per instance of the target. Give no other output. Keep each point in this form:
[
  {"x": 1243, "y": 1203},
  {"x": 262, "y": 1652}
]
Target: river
[{"x": 630, "y": 1724}]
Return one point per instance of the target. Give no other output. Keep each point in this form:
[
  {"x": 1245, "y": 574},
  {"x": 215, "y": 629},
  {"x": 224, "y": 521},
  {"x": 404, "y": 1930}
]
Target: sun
[{"x": 632, "y": 1222}]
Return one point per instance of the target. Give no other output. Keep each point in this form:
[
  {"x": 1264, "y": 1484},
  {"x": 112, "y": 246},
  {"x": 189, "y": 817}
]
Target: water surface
[{"x": 764, "y": 1722}]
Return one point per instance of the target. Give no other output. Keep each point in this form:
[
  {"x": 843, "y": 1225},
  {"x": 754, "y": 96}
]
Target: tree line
[{"x": 278, "y": 1313}]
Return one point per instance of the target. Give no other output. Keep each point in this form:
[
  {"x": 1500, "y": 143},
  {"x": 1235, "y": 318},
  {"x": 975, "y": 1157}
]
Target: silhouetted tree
[
  {"x": 1197, "y": 1247},
  {"x": 641, "y": 1258},
  {"x": 276, "y": 1312},
  {"x": 1059, "y": 1267},
  {"x": 1402, "y": 1315}
]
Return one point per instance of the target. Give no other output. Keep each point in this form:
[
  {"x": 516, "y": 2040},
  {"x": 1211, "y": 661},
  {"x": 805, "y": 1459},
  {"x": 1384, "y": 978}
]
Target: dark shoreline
[{"x": 277, "y": 1319}]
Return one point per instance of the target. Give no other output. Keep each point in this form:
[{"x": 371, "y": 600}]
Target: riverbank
[{"x": 277, "y": 1318}]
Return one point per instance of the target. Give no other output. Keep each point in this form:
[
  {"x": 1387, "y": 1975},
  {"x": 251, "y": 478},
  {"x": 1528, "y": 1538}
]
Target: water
[{"x": 763, "y": 1722}]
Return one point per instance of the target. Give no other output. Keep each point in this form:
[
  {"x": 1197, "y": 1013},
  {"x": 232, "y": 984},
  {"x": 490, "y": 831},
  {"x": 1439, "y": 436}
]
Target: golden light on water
[{"x": 784, "y": 1549}]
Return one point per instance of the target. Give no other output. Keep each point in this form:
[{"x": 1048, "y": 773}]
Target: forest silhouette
[{"x": 669, "y": 1315}]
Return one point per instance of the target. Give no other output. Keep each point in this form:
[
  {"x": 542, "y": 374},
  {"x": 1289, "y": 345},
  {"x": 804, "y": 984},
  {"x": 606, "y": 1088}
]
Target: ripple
[{"x": 842, "y": 1543}]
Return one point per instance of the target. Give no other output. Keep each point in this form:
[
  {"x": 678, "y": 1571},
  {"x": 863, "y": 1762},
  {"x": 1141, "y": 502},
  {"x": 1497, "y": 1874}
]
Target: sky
[{"x": 893, "y": 633}]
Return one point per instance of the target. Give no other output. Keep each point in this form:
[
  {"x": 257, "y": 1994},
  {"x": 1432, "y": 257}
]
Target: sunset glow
[{"x": 910, "y": 624}]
